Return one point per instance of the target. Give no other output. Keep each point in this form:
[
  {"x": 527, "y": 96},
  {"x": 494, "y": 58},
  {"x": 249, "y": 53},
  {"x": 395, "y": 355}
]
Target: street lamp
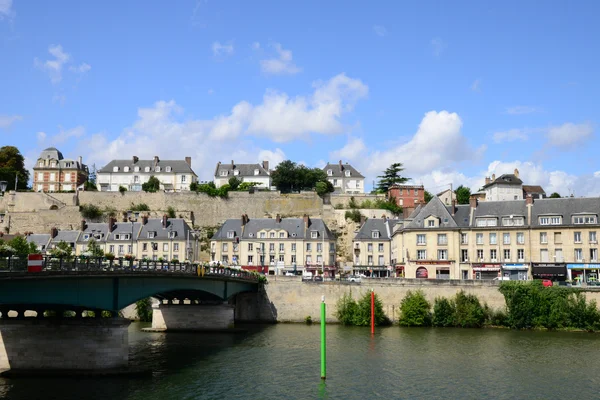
[{"x": 3, "y": 185}]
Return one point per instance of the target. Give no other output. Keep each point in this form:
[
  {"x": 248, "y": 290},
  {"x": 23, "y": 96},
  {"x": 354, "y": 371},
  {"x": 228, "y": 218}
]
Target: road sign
[{"x": 34, "y": 263}]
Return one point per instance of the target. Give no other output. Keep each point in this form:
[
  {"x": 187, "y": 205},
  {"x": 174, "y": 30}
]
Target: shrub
[
  {"x": 144, "y": 309},
  {"x": 152, "y": 186},
  {"x": 443, "y": 312},
  {"x": 415, "y": 310},
  {"x": 194, "y": 186},
  {"x": 171, "y": 212},
  {"x": 90, "y": 211},
  {"x": 353, "y": 215},
  {"x": 362, "y": 316},
  {"x": 234, "y": 182},
  {"x": 339, "y": 206},
  {"x": 308, "y": 320},
  {"x": 352, "y": 203},
  {"x": 468, "y": 311},
  {"x": 122, "y": 189},
  {"x": 140, "y": 207}
]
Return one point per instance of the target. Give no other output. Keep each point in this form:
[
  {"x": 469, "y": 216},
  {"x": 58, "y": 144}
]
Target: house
[
  {"x": 174, "y": 175},
  {"x": 536, "y": 191},
  {"x": 94, "y": 231},
  {"x": 122, "y": 237},
  {"x": 54, "y": 173},
  {"x": 345, "y": 178},
  {"x": 41, "y": 241},
  {"x": 162, "y": 238},
  {"x": 447, "y": 196},
  {"x": 372, "y": 247},
  {"x": 276, "y": 245},
  {"x": 407, "y": 196},
  {"x": 258, "y": 173},
  {"x": 69, "y": 236},
  {"x": 505, "y": 187}
]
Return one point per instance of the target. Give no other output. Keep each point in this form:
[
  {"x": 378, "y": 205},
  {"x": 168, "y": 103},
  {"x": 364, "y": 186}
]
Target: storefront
[
  {"x": 427, "y": 269},
  {"x": 486, "y": 271},
  {"x": 588, "y": 273},
  {"x": 515, "y": 272},
  {"x": 400, "y": 271},
  {"x": 554, "y": 272},
  {"x": 372, "y": 271}
]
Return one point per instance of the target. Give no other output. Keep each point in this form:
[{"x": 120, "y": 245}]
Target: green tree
[
  {"x": 428, "y": 196},
  {"x": 152, "y": 186},
  {"x": 463, "y": 194},
  {"x": 555, "y": 196},
  {"x": 391, "y": 176},
  {"x": 289, "y": 176},
  {"x": 93, "y": 249},
  {"x": 234, "y": 182},
  {"x": 62, "y": 249},
  {"x": 22, "y": 247},
  {"x": 415, "y": 310},
  {"x": 12, "y": 165},
  {"x": 324, "y": 187}
]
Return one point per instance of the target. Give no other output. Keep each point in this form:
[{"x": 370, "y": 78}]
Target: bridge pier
[
  {"x": 192, "y": 317},
  {"x": 43, "y": 344}
]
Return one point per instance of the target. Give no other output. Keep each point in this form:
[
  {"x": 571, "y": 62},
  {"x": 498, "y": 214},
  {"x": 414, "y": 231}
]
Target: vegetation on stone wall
[
  {"x": 90, "y": 211},
  {"x": 358, "y": 313},
  {"x": 152, "y": 186},
  {"x": 171, "y": 212},
  {"x": 290, "y": 177},
  {"x": 139, "y": 207},
  {"x": 143, "y": 308},
  {"x": 353, "y": 215},
  {"x": 379, "y": 204},
  {"x": 122, "y": 189},
  {"x": 415, "y": 310}
]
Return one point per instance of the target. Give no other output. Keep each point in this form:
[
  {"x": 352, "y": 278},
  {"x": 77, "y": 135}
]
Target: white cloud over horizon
[
  {"x": 219, "y": 49},
  {"x": 522, "y": 110},
  {"x": 380, "y": 30},
  {"x": 54, "y": 67},
  {"x": 283, "y": 64},
  {"x": 6, "y": 121},
  {"x": 6, "y": 9},
  {"x": 564, "y": 136}
]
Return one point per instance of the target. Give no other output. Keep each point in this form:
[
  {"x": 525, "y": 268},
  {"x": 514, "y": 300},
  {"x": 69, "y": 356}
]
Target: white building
[
  {"x": 505, "y": 187},
  {"x": 245, "y": 172},
  {"x": 345, "y": 178},
  {"x": 174, "y": 175}
]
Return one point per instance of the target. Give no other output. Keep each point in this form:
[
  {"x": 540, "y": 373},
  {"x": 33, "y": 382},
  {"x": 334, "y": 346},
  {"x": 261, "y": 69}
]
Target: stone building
[
  {"x": 345, "y": 178},
  {"x": 407, "y": 196},
  {"x": 258, "y": 173},
  {"x": 54, "y": 173},
  {"x": 372, "y": 247},
  {"x": 276, "y": 245}
]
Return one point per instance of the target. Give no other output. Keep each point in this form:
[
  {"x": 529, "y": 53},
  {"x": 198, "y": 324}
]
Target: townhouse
[
  {"x": 372, "y": 247},
  {"x": 345, "y": 178},
  {"x": 53, "y": 173},
  {"x": 257, "y": 173}
]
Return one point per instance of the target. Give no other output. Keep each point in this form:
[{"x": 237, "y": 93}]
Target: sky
[{"x": 456, "y": 91}]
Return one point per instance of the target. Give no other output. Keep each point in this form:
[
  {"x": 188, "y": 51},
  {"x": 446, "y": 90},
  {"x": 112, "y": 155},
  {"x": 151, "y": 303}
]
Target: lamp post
[{"x": 3, "y": 185}]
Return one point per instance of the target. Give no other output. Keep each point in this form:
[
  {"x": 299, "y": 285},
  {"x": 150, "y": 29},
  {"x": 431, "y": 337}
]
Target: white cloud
[
  {"x": 6, "y": 121},
  {"x": 476, "y": 85},
  {"x": 210, "y": 91},
  {"x": 219, "y": 49},
  {"x": 281, "y": 65},
  {"x": 41, "y": 137},
  {"x": 81, "y": 68},
  {"x": 59, "y": 98},
  {"x": 256, "y": 46},
  {"x": 273, "y": 157},
  {"x": 353, "y": 150},
  {"x": 597, "y": 174},
  {"x": 512, "y": 135},
  {"x": 569, "y": 134},
  {"x": 62, "y": 136},
  {"x": 6, "y": 9},
  {"x": 520, "y": 110},
  {"x": 437, "y": 46},
  {"x": 54, "y": 67},
  {"x": 379, "y": 30}
]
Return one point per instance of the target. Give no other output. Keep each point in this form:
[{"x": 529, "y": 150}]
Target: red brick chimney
[
  {"x": 54, "y": 232},
  {"x": 243, "y": 219},
  {"x": 306, "y": 221},
  {"x": 112, "y": 224},
  {"x": 188, "y": 161},
  {"x": 83, "y": 225},
  {"x": 265, "y": 165},
  {"x": 278, "y": 218},
  {"x": 453, "y": 206},
  {"x": 473, "y": 202},
  {"x": 145, "y": 219},
  {"x": 487, "y": 180},
  {"x": 165, "y": 219}
]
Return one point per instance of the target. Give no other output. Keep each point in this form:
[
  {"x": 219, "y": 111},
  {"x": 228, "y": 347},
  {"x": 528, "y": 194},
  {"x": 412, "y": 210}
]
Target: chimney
[
  {"x": 306, "y": 221},
  {"x": 362, "y": 220},
  {"x": 80, "y": 159},
  {"x": 188, "y": 161},
  {"x": 135, "y": 159},
  {"x": 156, "y": 160},
  {"x": 111, "y": 224},
  {"x": 83, "y": 225},
  {"x": 340, "y": 163},
  {"x": 473, "y": 202},
  {"x": 493, "y": 177},
  {"x": 487, "y": 180},
  {"x": 278, "y": 218},
  {"x": 516, "y": 172},
  {"x": 53, "y": 232},
  {"x": 243, "y": 219},
  {"x": 145, "y": 219},
  {"x": 453, "y": 206},
  {"x": 165, "y": 219},
  {"x": 232, "y": 164},
  {"x": 124, "y": 216},
  {"x": 529, "y": 199},
  {"x": 266, "y": 165}
]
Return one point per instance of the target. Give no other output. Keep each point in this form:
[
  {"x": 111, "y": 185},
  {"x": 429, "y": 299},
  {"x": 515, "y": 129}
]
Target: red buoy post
[{"x": 372, "y": 311}]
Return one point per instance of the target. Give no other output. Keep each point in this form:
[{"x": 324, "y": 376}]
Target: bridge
[{"x": 65, "y": 316}]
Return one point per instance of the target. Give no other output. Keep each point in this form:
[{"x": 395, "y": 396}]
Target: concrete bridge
[{"x": 46, "y": 317}]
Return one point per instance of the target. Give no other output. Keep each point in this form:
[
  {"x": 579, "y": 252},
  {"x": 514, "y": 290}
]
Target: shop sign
[
  {"x": 486, "y": 267},
  {"x": 423, "y": 262},
  {"x": 583, "y": 266},
  {"x": 515, "y": 266},
  {"x": 422, "y": 273}
]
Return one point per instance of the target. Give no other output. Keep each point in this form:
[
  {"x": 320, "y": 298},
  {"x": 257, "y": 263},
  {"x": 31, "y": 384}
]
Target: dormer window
[
  {"x": 375, "y": 234},
  {"x": 230, "y": 234},
  {"x": 147, "y": 169},
  {"x": 168, "y": 169},
  {"x": 256, "y": 172},
  {"x": 431, "y": 223},
  {"x": 271, "y": 234},
  {"x": 314, "y": 235},
  {"x": 487, "y": 222},
  {"x": 41, "y": 164},
  {"x": 585, "y": 219},
  {"x": 347, "y": 173},
  {"x": 236, "y": 172},
  {"x": 115, "y": 169},
  {"x": 551, "y": 220},
  {"x": 329, "y": 172},
  {"x": 172, "y": 235},
  {"x": 125, "y": 169},
  {"x": 263, "y": 235},
  {"x": 151, "y": 235},
  {"x": 223, "y": 173},
  {"x": 157, "y": 169},
  {"x": 136, "y": 169},
  {"x": 282, "y": 234}
]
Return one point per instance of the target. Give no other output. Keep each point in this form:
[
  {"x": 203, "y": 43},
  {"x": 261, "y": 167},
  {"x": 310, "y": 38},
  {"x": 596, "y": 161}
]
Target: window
[
  {"x": 558, "y": 255},
  {"x": 370, "y": 260},
  {"x": 400, "y": 191},
  {"x": 479, "y": 238},
  {"x": 335, "y": 182},
  {"x": 513, "y": 221},
  {"x": 172, "y": 235},
  {"x": 167, "y": 169},
  {"x": 543, "y": 237},
  {"x": 347, "y": 173},
  {"x": 464, "y": 238},
  {"x": 40, "y": 176},
  {"x": 331, "y": 247},
  {"x": 308, "y": 247},
  {"x": 183, "y": 178},
  {"x": 593, "y": 237},
  {"x": 235, "y": 247},
  {"x": 250, "y": 246},
  {"x": 381, "y": 261},
  {"x": 136, "y": 169},
  {"x": 493, "y": 238},
  {"x": 263, "y": 235},
  {"x": 416, "y": 192},
  {"x": 157, "y": 169},
  {"x": 126, "y": 169},
  {"x": 151, "y": 235},
  {"x": 493, "y": 254},
  {"x": 272, "y": 247},
  {"x": 281, "y": 258},
  {"x": 557, "y": 238},
  {"x": 329, "y": 172},
  {"x": 68, "y": 177},
  {"x": 256, "y": 172},
  {"x": 593, "y": 254},
  {"x": 272, "y": 234},
  {"x": 375, "y": 234},
  {"x": 578, "y": 254},
  {"x": 136, "y": 179},
  {"x": 431, "y": 223},
  {"x": 552, "y": 220},
  {"x": 145, "y": 247},
  {"x": 380, "y": 247},
  {"x": 115, "y": 169},
  {"x": 506, "y": 255},
  {"x": 282, "y": 234},
  {"x": 121, "y": 249},
  {"x": 293, "y": 246},
  {"x": 577, "y": 237},
  {"x": 544, "y": 255},
  {"x": 506, "y": 238},
  {"x": 464, "y": 255},
  {"x": 293, "y": 259},
  {"x": 370, "y": 247},
  {"x": 281, "y": 247},
  {"x": 479, "y": 255},
  {"x": 584, "y": 219},
  {"x": 147, "y": 169},
  {"x": 225, "y": 259},
  {"x": 309, "y": 259},
  {"x": 154, "y": 246},
  {"x": 225, "y": 247},
  {"x": 521, "y": 255},
  {"x": 319, "y": 247},
  {"x": 421, "y": 239},
  {"x": 250, "y": 259},
  {"x": 442, "y": 254},
  {"x": 520, "y": 238},
  {"x": 230, "y": 234},
  {"x": 314, "y": 235},
  {"x": 421, "y": 255},
  {"x": 442, "y": 239},
  {"x": 487, "y": 222},
  {"x": 223, "y": 173},
  {"x": 112, "y": 249}
]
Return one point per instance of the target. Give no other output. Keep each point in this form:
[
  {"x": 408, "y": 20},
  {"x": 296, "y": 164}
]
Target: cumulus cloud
[
  {"x": 569, "y": 134},
  {"x": 273, "y": 157},
  {"x": 281, "y": 65},
  {"x": 353, "y": 150},
  {"x": 437, "y": 46},
  {"x": 520, "y": 110},
  {"x": 219, "y": 49},
  {"x": 6, "y": 9},
  {"x": 380, "y": 30},
  {"x": 6, "y": 121},
  {"x": 54, "y": 66},
  {"x": 62, "y": 136},
  {"x": 81, "y": 68},
  {"x": 512, "y": 135}
]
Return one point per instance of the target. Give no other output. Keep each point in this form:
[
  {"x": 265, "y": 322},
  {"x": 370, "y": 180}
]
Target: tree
[
  {"x": 463, "y": 194},
  {"x": 234, "y": 182},
  {"x": 391, "y": 176},
  {"x": 427, "y": 196},
  {"x": 90, "y": 184},
  {"x": 12, "y": 166},
  {"x": 152, "y": 186},
  {"x": 555, "y": 196},
  {"x": 62, "y": 249},
  {"x": 324, "y": 187},
  {"x": 289, "y": 177},
  {"x": 94, "y": 249}
]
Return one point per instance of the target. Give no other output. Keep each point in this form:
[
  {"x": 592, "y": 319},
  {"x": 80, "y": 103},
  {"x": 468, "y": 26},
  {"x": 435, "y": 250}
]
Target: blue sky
[{"x": 454, "y": 90}]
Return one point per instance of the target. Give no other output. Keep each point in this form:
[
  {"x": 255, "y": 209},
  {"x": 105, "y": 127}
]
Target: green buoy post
[{"x": 323, "y": 342}]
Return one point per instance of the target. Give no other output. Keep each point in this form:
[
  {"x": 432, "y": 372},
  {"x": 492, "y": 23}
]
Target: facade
[
  {"x": 53, "y": 173},
  {"x": 41, "y": 241},
  {"x": 408, "y": 196},
  {"x": 447, "y": 196},
  {"x": 174, "y": 175},
  {"x": 345, "y": 178},
  {"x": 372, "y": 247},
  {"x": 537, "y": 192},
  {"x": 258, "y": 173},
  {"x": 505, "y": 187},
  {"x": 276, "y": 245}
]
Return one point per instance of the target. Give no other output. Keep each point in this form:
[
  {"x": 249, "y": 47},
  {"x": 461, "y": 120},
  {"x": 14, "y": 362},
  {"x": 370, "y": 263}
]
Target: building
[
  {"x": 258, "y": 173},
  {"x": 505, "y": 187},
  {"x": 41, "y": 241},
  {"x": 536, "y": 191},
  {"x": 447, "y": 196},
  {"x": 70, "y": 237},
  {"x": 54, "y": 173},
  {"x": 345, "y": 178},
  {"x": 276, "y": 245},
  {"x": 372, "y": 247},
  {"x": 407, "y": 196},
  {"x": 174, "y": 175},
  {"x": 165, "y": 238}
]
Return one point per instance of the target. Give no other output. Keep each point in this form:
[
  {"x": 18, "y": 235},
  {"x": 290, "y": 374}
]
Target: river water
[{"x": 283, "y": 362}]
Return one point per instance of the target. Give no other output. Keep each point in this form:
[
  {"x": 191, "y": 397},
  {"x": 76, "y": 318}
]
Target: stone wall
[
  {"x": 189, "y": 317},
  {"x": 343, "y": 199}
]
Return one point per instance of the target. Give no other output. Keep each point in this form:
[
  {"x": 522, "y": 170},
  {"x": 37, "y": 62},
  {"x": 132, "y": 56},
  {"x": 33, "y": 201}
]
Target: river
[{"x": 282, "y": 362}]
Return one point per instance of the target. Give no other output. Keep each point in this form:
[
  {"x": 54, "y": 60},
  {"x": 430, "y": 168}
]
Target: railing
[{"x": 103, "y": 265}]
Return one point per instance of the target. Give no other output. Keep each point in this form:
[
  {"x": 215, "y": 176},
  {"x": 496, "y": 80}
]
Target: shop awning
[
  {"x": 491, "y": 269},
  {"x": 515, "y": 266},
  {"x": 583, "y": 266},
  {"x": 550, "y": 270}
]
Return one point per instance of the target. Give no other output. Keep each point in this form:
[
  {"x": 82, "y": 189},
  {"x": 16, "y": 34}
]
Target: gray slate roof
[
  {"x": 506, "y": 179},
  {"x": 51, "y": 153},
  {"x": 567, "y": 207},
  {"x": 462, "y": 214},
  {"x": 339, "y": 171},
  {"x": 293, "y": 226},
  {"x": 384, "y": 226},
  {"x": 244, "y": 170},
  {"x": 501, "y": 209},
  {"x": 66, "y": 236},
  {"x": 436, "y": 208},
  {"x": 177, "y": 167},
  {"x": 97, "y": 230},
  {"x": 177, "y": 225},
  {"x": 41, "y": 240}
]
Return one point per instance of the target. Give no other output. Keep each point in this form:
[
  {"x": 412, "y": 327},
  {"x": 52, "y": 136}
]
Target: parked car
[
  {"x": 354, "y": 278},
  {"x": 547, "y": 282},
  {"x": 290, "y": 274}
]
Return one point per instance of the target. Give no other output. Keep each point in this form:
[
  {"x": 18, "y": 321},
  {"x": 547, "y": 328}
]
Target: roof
[
  {"x": 39, "y": 239},
  {"x": 567, "y": 207},
  {"x": 51, "y": 152},
  {"x": 66, "y": 236},
  {"x": 339, "y": 170},
  {"x": 177, "y": 167},
  {"x": 243, "y": 169},
  {"x": 501, "y": 209},
  {"x": 435, "y": 208},
  {"x": 97, "y": 230},
  {"x": 462, "y": 215},
  {"x": 177, "y": 225},
  {"x": 506, "y": 179},
  {"x": 442, "y": 192},
  {"x": 533, "y": 189},
  {"x": 293, "y": 226},
  {"x": 384, "y": 226},
  {"x": 126, "y": 228}
]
